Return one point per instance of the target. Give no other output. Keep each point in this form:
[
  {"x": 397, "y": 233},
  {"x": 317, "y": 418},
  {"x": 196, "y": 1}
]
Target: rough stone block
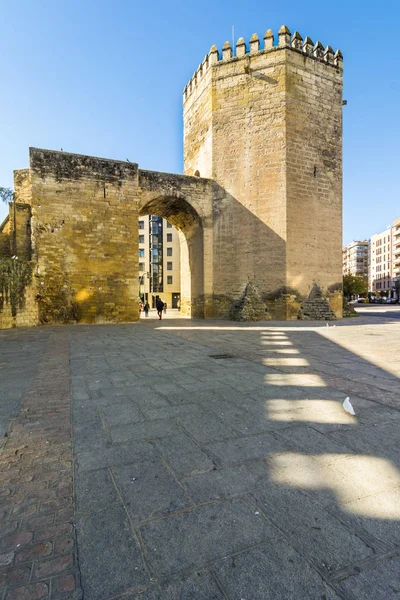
[
  {"x": 148, "y": 490},
  {"x": 205, "y": 534},
  {"x": 270, "y": 571},
  {"x": 312, "y": 530},
  {"x": 119, "y": 566}
]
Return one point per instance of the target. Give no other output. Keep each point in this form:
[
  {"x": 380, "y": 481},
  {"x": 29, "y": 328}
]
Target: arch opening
[{"x": 185, "y": 219}]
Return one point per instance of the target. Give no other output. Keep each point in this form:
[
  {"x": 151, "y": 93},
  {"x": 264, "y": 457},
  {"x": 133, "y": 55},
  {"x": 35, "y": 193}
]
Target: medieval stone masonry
[{"x": 260, "y": 202}]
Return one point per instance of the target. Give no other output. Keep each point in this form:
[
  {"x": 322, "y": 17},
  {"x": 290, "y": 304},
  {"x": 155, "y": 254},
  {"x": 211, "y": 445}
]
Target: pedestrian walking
[
  {"x": 146, "y": 309},
  {"x": 159, "y": 307},
  {"x": 165, "y": 308}
]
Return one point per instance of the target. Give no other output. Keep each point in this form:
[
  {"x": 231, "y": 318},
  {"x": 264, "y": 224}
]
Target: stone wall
[
  {"x": 22, "y": 236},
  {"x": 20, "y": 218},
  {"x": 84, "y": 221},
  {"x": 22, "y": 186},
  {"x": 28, "y": 316},
  {"x": 5, "y": 237},
  {"x": 16, "y": 240},
  {"x": 84, "y": 235},
  {"x": 198, "y": 126}
]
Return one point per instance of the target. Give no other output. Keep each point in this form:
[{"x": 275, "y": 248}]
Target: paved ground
[
  {"x": 208, "y": 461},
  {"x": 391, "y": 311},
  {"x": 172, "y": 313}
]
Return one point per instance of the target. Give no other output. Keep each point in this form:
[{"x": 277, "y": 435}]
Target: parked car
[{"x": 390, "y": 301}]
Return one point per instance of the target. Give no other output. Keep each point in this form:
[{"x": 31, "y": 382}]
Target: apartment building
[
  {"x": 396, "y": 258},
  {"x": 384, "y": 261},
  {"x": 355, "y": 258},
  {"x": 159, "y": 261}
]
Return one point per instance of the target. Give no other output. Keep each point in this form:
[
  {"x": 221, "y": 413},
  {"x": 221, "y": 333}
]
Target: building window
[
  {"x": 169, "y": 251},
  {"x": 141, "y": 239},
  {"x": 141, "y": 224},
  {"x": 169, "y": 279},
  {"x": 141, "y": 252},
  {"x": 141, "y": 266},
  {"x": 169, "y": 225},
  {"x": 169, "y": 266},
  {"x": 169, "y": 237}
]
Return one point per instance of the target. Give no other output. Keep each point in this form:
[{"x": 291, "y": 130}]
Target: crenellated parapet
[{"x": 285, "y": 40}]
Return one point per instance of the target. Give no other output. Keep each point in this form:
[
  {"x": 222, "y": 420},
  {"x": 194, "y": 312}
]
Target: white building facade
[
  {"x": 159, "y": 261},
  {"x": 396, "y": 258},
  {"x": 355, "y": 258},
  {"x": 384, "y": 262}
]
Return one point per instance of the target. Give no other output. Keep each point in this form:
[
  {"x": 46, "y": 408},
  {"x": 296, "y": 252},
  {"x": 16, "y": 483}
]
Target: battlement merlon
[{"x": 286, "y": 41}]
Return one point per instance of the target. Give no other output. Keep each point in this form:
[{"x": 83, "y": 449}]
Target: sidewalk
[
  {"x": 211, "y": 460},
  {"x": 172, "y": 313}
]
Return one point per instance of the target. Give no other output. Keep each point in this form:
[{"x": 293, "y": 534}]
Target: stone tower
[{"x": 264, "y": 122}]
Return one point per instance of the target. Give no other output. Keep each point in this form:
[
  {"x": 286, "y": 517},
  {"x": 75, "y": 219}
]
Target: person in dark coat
[{"x": 159, "y": 307}]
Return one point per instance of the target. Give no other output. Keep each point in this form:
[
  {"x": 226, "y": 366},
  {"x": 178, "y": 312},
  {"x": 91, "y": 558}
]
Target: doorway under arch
[{"x": 187, "y": 222}]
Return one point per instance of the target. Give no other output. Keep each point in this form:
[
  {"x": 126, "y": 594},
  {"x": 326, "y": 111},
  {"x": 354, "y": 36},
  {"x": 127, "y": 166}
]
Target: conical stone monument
[
  {"x": 250, "y": 307},
  {"x": 315, "y": 307}
]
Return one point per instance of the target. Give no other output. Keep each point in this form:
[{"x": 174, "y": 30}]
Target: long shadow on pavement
[{"x": 203, "y": 474}]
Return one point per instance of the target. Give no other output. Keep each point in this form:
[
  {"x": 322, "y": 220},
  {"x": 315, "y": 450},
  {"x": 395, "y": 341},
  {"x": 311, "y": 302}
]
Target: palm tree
[{"x": 7, "y": 195}]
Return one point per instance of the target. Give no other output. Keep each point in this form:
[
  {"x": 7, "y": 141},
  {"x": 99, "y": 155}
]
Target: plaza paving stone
[{"x": 139, "y": 465}]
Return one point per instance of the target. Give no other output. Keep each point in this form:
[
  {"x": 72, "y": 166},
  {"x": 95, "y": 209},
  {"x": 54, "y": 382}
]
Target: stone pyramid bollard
[
  {"x": 315, "y": 307},
  {"x": 250, "y": 307}
]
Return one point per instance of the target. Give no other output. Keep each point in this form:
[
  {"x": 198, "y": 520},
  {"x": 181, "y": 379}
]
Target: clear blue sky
[{"x": 105, "y": 78}]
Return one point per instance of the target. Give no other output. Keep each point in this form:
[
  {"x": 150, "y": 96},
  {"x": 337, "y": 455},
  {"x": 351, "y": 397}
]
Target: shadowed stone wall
[
  {"x": 5, "y": 237},
  {"x": 16, "y": 240}
]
